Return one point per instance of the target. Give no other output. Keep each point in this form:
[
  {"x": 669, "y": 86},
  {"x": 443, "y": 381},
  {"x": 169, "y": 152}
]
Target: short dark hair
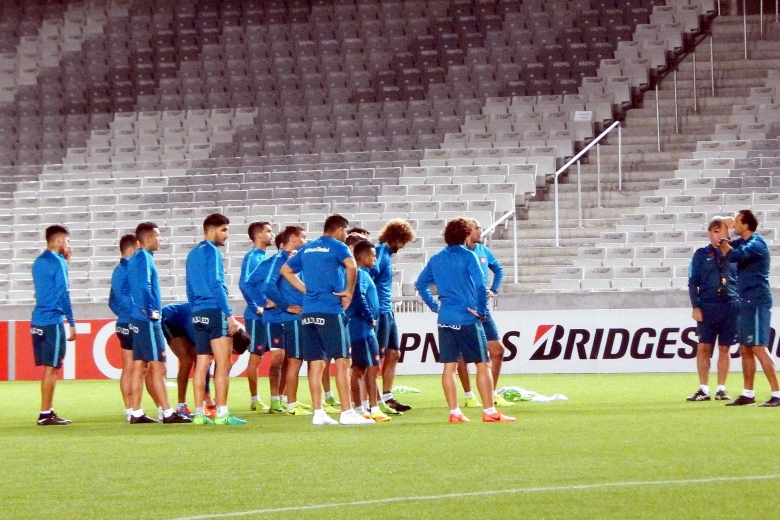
[
  {"x": 334, "y": 222},
  {"x": 458, "y": 231},
  {"x": 126, "y": 242},
  {"x": 143, "y": 229},
  {"x": 353, "y": 239},
  {"x": 715, "y": 223},
  {"x": 359, "y": 231},
  {"x": 287, "y": 234},
  {"x": 256, "y": 227},
  {"x": 53, "y": 231},
  {"x": 215, "y": 220},
  {"x": 278, "y": 241},
  {"x": 749, "y": 219},
  {"x": 362, "y": 247}
]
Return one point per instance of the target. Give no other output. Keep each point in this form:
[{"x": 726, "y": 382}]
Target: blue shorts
[
  {"x": 462, "y": 341},
  {"x": 292, "y": 338},
  {"x": 720, "y": 322},
  {"x": 256, "y": 331},
  {"x": 208, "y": 324},
  {"x": 125, "y": 338},
  {"x": 275, "y": 334},
  {"x": 491, "y": 331},
  {"x": 387, "y": 332},
  {"x": 49, "y": 342},
  {"x": 324, "y": 337},
  {"x": 365, "y": 352},
  {"x": 148, "y": 341},
  {"x": 754, "y": 325}
]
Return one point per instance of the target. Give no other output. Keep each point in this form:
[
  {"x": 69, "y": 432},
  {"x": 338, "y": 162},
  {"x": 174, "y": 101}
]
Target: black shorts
[
  {"x": 49, "y": 342},
  {"x": 125, "y": 338},
  {"x": 387, "y": 332},
  {"x": 462, "y": 341},
  {"x": 324, "y": 337}
]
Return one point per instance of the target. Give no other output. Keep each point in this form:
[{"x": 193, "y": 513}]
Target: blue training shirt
[
  {"x": 280, "y": 291},
  {"x": 488, "y": 261},
  {"x": 251, "y": 260},
  {"x": 144, "y": 285},
  {"x": 322, "y": 263},
  {"x": 205, "y": 271},
  {"x": 752, "y": 259},
  {"x": 382, "y": 275},
  {"x": 456, "y": 273},
  {"x": 704, "y": 275},
  {"x": 120, "y": 301},
  {"x": 52, "y": 290},
  {"x": 364, "y": 308},
  {"x": 179, "y": 316}
]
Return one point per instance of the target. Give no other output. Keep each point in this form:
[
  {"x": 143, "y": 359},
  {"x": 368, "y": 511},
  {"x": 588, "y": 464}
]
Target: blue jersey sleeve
[
  {"x": 296, "y": 262},
  {"x": 498, "y": 271},
  {"x": 243, "y": 285},
  {"x": 694, "y": 280},
  {"x": 270, "y": 285},
  {"x": 747, "y": 251},
  {"x": 144, "y": 285},
  {"x": 62, "y": 281},
  {"x": 423, "y": 283},
  {"x": 361, "y": 302},
  {"x": 478, "y": 278},
  {"x": 217, "y": 279}
]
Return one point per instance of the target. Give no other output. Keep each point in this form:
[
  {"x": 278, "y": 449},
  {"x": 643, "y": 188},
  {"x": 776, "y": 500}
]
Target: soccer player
[
  {"x": 52, "y": 307},
  {"x": 392, "y": 238},
  {"x": 751, "y": 254},
  {"x": 487, "y": 261},
  {"x": 362, "y": 314},
  {"x": 148, "y": 342},
  {"x": 458, "y": 277},
  {"x": 283, "y": 320},
  {"x": 712, "y": 286},
  {"x": 212, "y": 318},
  {"x": 262, "y": 236},
  {"x": 330, "y": 272},
  {"x": 179, "y": 332}
]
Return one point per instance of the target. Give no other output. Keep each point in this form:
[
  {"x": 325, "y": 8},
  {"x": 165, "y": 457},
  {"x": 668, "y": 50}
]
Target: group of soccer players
[
  {"x": 328, "y": 300},
  {"x": 728, "y": 284}
]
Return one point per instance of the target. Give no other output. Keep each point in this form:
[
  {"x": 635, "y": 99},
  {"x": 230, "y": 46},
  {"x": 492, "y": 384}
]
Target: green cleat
[
  {"x": 330, "y": 409},
  {"x": 228, "y": 419},
  {"x": 298, "y": 410},
  {"x": 387, "y": 410},
  {"x": 331, "y": 401},
  {"x": 472, "y": 402},
  {"x": 277, "y": 407},
  {"x": 500, "y": 401},
  {"x": 259, "y": 406},
  {"x": 201, "y": 419}
]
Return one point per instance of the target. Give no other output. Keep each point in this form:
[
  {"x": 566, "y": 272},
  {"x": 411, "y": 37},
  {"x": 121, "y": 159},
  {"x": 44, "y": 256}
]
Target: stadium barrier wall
[{"x": 536, "y": 342}]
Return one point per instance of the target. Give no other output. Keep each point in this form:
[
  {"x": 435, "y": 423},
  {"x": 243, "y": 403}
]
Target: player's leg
[
  {"x": 223, "y": 349},
  {"x": 768, "y": 366},
  {"x": 251, "y": 378},
  {"x": 143, "y": 353},
  {"x": 465, "y": 382},
  {"x": 48, "y": 384},
  {"x": 472, "y": 344},
  {"x": 496, "y": 353},
  {"x": 495, "y": 357},
  {"x": 283, "y": 378},
  {"x": 392, "y": 355},
  {"x": 126, "y": 381},
  {"x": 293, "y": 357},
  {"x": 316, "y": 367},
  {"x": 275, "y": 335},
  {"x": 157, "y": 378},
  {"x": 449, "y": 355},
  {"x": 356, "y": 380},
  {"x": 336, "y": 342},
  {"x": 257, "y": 347},
  {"x": 185, "y": 352},
  {"x": 372, "y": 373},
  {"x": 448, "y": 385},
  {"x": 49, "y": 344},
  {"x": 703, "y": 357},
  {"x": 724, "y": 362},
  {"x": 202, "y": 365},
  {"x": 748, "y": 396},
  {"x": 314, "y": 332}
]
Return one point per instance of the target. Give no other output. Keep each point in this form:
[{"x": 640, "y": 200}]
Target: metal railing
[
  {"x": 490, "y": 230},
  {"x": 576, "y": 158}
]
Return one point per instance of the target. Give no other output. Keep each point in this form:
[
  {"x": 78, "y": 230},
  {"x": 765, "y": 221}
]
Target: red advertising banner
[{"x": 4, "y": 351}]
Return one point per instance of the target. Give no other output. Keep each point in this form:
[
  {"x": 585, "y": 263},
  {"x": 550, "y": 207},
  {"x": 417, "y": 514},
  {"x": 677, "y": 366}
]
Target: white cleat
[
  {"x": 323, "y": 420},
  {"x": 351, "y": 418}
]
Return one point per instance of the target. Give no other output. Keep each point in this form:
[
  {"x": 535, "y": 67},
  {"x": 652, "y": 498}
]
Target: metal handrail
[
  {"x": 576, "y": 159},
  {"x": 500, "y": 221}
]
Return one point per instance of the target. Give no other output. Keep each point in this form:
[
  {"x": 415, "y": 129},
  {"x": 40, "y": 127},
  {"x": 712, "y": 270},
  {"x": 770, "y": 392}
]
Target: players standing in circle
[
  {"x": 212, "y": 318},
  {"x": 363, "y": 313},
  {"x": 393, "y": 237},
  {"x": 330, "y": 272},
  {"x": 751, "y": 254},
  {"x": 120, "y": 301},
  {"x": 52, "y": 307},
  {"x": 146, "y": 329},
  {"x": 712, "y": 286},
  {"x": 456, "y": 273},
  {"x": 262, "y": 237}
]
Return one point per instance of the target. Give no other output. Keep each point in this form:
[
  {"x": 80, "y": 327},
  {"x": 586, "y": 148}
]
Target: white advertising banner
[{"x": 574, "y": 341}]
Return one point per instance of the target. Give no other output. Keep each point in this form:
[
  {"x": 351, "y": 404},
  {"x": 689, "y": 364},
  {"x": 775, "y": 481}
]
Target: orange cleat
[
  {"x": 458, "y": 418},
  {"x": 497, "y": 417},
  {"x": 210, "y": 412}
]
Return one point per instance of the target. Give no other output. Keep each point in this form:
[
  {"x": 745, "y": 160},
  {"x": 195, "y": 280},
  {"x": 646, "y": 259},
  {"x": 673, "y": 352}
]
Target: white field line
[{"x": 257, "y": 512}]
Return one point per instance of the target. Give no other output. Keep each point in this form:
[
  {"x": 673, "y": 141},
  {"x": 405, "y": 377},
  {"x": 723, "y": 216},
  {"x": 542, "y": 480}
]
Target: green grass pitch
[{"x": 615, "y": 429}]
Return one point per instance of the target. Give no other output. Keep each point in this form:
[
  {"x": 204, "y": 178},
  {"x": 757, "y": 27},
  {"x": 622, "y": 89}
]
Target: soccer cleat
[
  {"x": 228, "y": 419},
  {"x": 353, "y": 419},
  {"x": 184, "y": 410},
  {"x": 742, "y": 401},
  {"x": 387, "y": 410},
  {"x": 721, "y": 395},
  {"x": 398, "y": 407},
  {"x": 177, "y": 418},
  {"x": 331, "y": 401},
  {"x": 201, "y": 419},
  {"x": 378, "y": 417},
  {"x": 323, "y": 420},
  {"x": 52, "y": 419},
  {"x": 774, "y": 401},
  {"x": 365, "y": 415},
  {"x": 458, "y": 418},
  {"x": 144, "y": 419},
  {"x": 277, "y": 407},
  {"x": 259, "y": 406},
  {"x": 497, "y": 417},
  {"x": 500, "y": 401},
  {"x": 471, "y": 402},
  {"x": 66, "y": 421},
  {"x": 330, "y": 409},
  {"x": 304, "y": 406},
  {"x": 298, "y": 410},
  {"x": 211, "y": 411},
  {"x": 699, "y": 396}
]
